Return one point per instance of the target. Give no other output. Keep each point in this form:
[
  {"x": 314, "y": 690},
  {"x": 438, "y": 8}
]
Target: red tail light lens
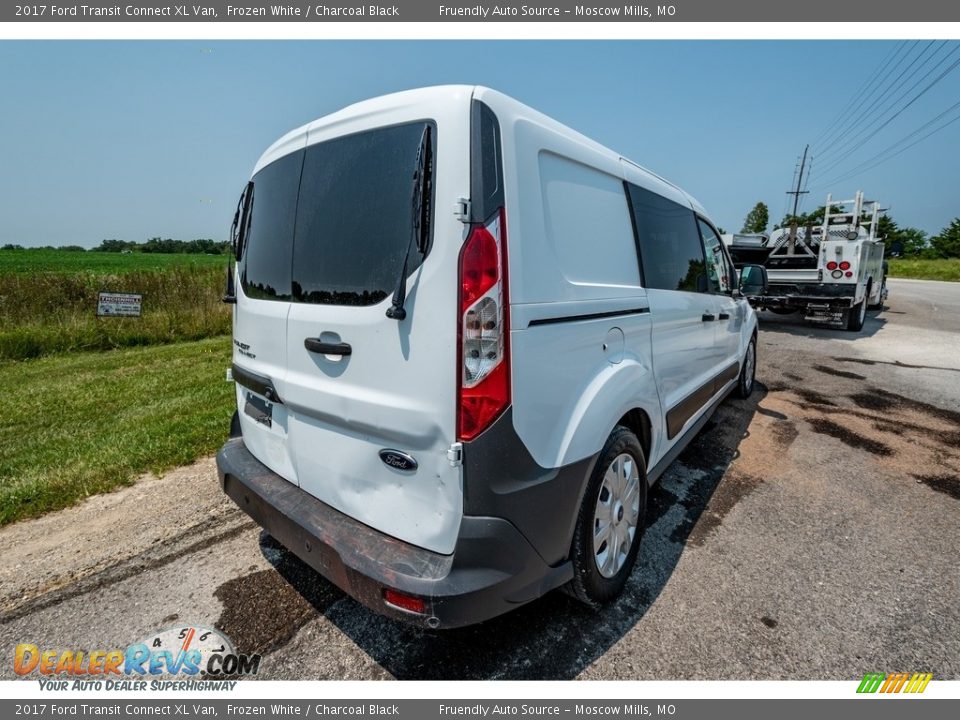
[
  {"x": 483, "y": 330},
  {"x": 831, "y": 265},
  {"x": 405, "y": 602},
  {"x": 479, "y": 266},
  {"x": 848, "y": 273},
  {"x": 844, "y": 265}
]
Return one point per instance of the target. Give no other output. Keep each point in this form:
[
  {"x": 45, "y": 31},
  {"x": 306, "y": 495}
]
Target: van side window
[
  {"x": 718, "y": 270},
  {"x": 670, "y": 248}
]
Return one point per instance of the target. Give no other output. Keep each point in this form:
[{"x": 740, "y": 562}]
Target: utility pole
[{"x": 798, "y": 192}]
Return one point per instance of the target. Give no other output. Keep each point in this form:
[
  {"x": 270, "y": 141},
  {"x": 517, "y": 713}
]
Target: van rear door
[
  {"x": 369, "y": 402},
  {"x": 368, "y": 393}
]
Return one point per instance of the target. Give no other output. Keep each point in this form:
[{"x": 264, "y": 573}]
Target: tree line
[
  {"x": 903, "y": 241},
  {"x": 201, "y": 246}
]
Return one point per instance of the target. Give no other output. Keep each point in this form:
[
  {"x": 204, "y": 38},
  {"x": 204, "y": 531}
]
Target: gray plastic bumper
[{"x": 493, "y": 568}]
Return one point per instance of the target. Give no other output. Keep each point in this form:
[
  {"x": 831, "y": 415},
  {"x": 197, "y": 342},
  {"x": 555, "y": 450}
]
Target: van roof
[{"x": 506, "y": 107}]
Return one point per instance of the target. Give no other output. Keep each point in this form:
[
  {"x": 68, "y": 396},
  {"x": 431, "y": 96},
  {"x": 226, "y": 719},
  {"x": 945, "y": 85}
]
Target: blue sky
[{"x": 132, "y": 140}]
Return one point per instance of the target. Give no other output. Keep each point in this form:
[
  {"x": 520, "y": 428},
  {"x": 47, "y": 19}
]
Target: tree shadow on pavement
[{"x": 554, "y": 637}]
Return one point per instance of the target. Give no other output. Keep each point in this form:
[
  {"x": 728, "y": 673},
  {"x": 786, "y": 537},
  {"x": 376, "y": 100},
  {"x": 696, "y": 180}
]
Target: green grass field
[
  {"x": 51, "y": 306},
  {"x": 925, "y": 269},
  {"x": 31, "y": 261},
  {"x": 83, "y": 423}
]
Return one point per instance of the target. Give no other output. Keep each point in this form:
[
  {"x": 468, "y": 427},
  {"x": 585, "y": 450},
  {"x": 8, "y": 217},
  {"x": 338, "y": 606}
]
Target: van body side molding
[
  {"x": 588, "y": 316},
  {"x": 678, "y": 415},
  {"x": 260, "y": 384}
]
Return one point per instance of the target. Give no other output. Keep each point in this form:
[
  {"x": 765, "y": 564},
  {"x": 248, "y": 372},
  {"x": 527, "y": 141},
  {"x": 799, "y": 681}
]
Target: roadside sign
[{"x": 111, "y": 304}]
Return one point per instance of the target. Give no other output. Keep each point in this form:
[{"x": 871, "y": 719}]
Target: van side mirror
[{"x": 753, "y": 280}]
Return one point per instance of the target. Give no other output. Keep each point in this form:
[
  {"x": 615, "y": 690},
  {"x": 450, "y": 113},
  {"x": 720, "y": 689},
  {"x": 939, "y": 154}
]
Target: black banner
[
  {"x": 853, "y": 709},
  {"x": 465, "y": 11}
]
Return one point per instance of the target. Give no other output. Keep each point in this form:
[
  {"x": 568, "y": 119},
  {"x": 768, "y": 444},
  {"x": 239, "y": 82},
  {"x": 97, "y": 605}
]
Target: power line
[
  {"x": 876, "y": 111},
  {"x": 843, "y": 115},
  {"x": 899, "y": 112},
  {"x": 865, "y": 114},
  {"x": 919, "y": 140},
  {"x": 879, "y": 157},
  {"x": 879, "y": 90}
]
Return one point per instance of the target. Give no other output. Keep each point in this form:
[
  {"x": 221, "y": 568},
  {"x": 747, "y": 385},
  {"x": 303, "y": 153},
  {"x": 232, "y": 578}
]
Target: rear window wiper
[{"x": 420, "y": 225}]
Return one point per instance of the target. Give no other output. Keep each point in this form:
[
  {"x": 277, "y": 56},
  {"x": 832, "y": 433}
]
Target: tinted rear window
[
  {"x": 339, "y": 215},
  {"x": 265, "y": 271}
]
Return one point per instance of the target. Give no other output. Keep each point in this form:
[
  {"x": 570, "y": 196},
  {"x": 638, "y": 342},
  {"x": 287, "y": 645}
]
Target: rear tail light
[
  {"x": 836, "y": 274},
  {"x": 848, "y": 273},
  {"x": 844, "y": 265},
  {"x": 483, "y": 332},
  {"x": 831, "y": 265},
  {"x": 405, "y": 602}
]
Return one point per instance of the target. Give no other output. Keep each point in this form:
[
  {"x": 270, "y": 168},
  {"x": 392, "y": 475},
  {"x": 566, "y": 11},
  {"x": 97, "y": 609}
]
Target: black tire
[
  {"x": 589, "y": 584},
  {"x": 879, "y": 304},
  {"x": 856, "y": 316},
  {"x": 748, "y": 370}
]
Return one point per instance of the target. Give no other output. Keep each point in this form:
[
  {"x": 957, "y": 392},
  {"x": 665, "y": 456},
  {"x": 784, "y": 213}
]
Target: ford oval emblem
[{"x": 398, "y": 460}]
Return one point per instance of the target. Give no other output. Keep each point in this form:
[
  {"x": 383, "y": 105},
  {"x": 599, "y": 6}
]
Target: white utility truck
[{"x": 833, "y": 272}]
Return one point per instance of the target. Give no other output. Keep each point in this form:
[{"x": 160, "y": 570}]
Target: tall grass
[
  {"x": 53, "y": 311},
  {"x": 923, "y": 269}
]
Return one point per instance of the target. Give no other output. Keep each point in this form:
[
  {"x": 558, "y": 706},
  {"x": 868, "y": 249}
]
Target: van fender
[{"x": 613, "y": 392}]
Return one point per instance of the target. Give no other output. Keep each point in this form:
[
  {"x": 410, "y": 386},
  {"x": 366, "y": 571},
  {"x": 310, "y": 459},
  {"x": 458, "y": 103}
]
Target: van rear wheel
[{"x": 611, "y": 521}]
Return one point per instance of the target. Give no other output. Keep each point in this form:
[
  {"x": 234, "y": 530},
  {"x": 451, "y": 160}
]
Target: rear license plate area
[{"x": 259, "y": 409}]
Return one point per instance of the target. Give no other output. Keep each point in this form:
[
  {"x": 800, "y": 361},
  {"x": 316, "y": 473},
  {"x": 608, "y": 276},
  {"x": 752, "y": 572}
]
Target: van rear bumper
[{"x": 493, "y": 568}]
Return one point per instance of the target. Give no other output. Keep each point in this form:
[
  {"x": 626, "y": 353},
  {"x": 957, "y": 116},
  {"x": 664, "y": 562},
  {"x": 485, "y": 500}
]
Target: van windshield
[{"x": 331, "y": 224}]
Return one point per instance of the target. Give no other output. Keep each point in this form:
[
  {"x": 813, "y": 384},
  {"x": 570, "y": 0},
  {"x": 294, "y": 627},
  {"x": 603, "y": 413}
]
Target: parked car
[{"x": 466, "y": 341}]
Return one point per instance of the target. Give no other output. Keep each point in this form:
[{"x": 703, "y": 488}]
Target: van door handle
[
  {"x": 708, "y": 317},
  {"x": 724, "y": 316},
  {"x": 316, "y": 345}
]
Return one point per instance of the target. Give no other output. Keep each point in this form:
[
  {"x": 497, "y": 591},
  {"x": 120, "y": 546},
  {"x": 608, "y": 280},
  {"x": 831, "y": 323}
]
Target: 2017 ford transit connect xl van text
[{"x": 465, "y": 340}]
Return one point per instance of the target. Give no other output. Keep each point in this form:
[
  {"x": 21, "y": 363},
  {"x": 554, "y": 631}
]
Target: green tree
[
  {"x": 757, "y": 219},
  {"x": 947, "y": 243},
  {"x": 913, "y": 241},
  {"x": 814, "y": 217},
  {"x": 888, "y": 230},
  {"x": 114, "y": 245}
]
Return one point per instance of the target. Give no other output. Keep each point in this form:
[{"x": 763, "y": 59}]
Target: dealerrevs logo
[
  {"x": 191, "y": 650},
  {"x": 908, "y": 683}
]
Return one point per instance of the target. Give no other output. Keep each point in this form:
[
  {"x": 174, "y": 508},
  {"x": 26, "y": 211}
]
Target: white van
[{"x": 466, "y": 340}]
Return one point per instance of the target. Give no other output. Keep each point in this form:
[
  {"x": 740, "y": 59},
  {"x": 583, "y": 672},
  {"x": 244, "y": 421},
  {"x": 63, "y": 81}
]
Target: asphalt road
[{"x": 811, "y": 532}]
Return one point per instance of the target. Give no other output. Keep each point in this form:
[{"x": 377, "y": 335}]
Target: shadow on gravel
[
  {"x": 795, "y": 325},
  {"x": 552, "y": 638}
]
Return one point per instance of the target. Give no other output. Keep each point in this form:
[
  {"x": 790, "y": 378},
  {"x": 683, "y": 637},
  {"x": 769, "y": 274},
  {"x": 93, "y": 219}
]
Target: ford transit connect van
[{"x": 466, "y": 339}]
